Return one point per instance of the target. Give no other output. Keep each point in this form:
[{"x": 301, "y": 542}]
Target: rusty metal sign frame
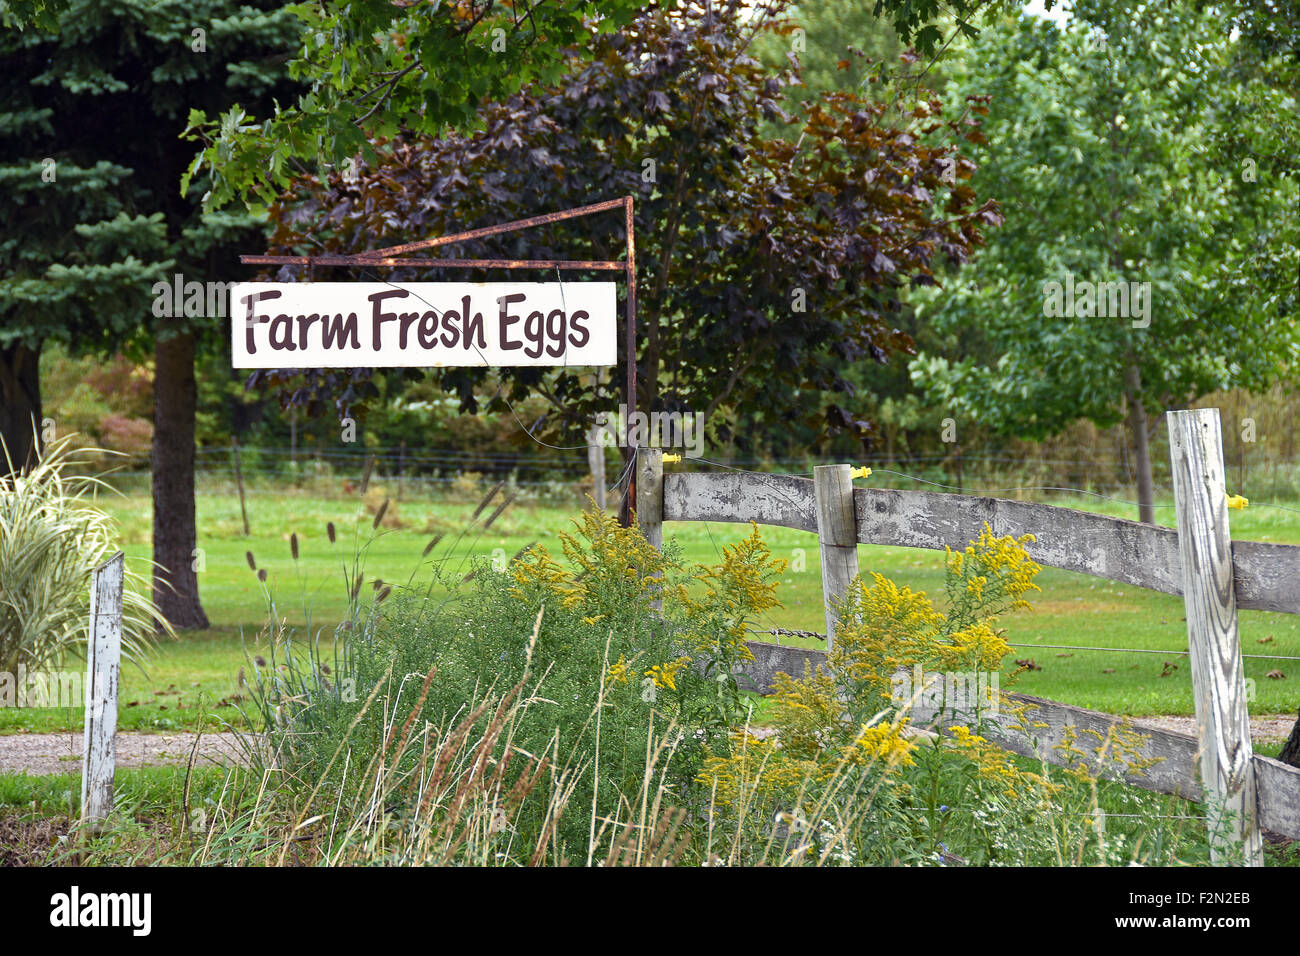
[{"x": 394, "y": 256}]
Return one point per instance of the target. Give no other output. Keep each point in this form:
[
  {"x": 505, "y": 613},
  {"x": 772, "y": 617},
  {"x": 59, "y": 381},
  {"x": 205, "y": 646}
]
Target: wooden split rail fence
[{"x": 1215, "y": 575}]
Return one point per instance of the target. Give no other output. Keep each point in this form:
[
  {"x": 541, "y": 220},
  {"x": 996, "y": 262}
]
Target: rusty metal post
[{"x": 625, "y": 510}]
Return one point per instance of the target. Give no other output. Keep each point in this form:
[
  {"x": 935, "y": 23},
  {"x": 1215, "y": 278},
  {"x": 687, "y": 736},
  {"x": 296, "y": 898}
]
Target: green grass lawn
[{"x": 189, "y": 677}]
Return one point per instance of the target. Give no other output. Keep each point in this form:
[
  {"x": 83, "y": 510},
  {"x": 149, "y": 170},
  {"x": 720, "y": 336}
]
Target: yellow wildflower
[
  {"x": 665, "y": 675},
  {"x": 617, "y": 673}
]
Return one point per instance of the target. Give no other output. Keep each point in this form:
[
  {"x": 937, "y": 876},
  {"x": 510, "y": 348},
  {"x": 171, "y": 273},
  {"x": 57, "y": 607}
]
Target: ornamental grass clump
[{"x": 52, "y": 537}]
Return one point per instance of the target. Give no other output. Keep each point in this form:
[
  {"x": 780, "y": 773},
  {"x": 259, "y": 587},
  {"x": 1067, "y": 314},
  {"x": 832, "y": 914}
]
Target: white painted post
[
  {"x": 1218, "y": 681},
  {"x": 103, "y": 667},
  {"x": 837, "y": 531}
]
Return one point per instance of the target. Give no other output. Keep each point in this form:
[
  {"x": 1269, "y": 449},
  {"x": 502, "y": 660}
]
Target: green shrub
[
  {"x": 594, "y": 678},
  {"x": 583, "y": 709},
  {"x": 846, "y": 777}
]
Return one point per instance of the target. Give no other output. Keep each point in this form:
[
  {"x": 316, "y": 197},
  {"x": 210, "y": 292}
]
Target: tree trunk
[
  {"x": 20, "y": 405},
  {"x": 1137, "y": 425},
  {"x": 175, "y": 583}
]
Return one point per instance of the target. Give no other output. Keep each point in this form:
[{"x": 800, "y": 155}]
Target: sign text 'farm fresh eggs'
[{"x": 422, "y": 324}]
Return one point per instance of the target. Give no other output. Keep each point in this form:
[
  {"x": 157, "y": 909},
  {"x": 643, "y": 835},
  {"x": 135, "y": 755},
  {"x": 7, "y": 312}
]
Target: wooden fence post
[
  {"x": 837, "y": 531},
  {"x": 650, "y": 494},
  {"x": 103, "y": 667},
  {"x": 596, "y": 463},
  {"x": 1209, "y": 595},
  {"x": 650, "y": 499},
  {"x": 401, "y": 468},
  {"x": 239, "y": 481}
]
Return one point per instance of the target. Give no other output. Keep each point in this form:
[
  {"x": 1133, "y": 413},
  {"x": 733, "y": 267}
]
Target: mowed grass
[{"x": 196, "y": 675}]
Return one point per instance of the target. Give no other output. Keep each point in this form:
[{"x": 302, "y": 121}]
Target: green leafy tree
[
  {"x": 376, "y": 68},
  {"x": 1095, "y": 143},
  {"x": 840, "y": 45},
  {"x": 767, "y": 267},
  {"x": 93, "y": 160},
  {"x": 41, "y": 14}
]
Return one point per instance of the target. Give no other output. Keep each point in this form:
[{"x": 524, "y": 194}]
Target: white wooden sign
[{"x": 422, "y": 324}]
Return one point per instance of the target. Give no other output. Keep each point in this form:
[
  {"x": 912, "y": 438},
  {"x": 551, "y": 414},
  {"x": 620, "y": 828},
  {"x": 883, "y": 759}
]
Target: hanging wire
[{"x": 1142, "y": 650}]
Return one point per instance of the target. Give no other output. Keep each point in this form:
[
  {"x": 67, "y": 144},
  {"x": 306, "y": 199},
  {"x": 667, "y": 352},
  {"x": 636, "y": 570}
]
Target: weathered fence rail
[
  {"x": 1176, "y": 773},
  {"x": 1266, "y": 576},
  {"x": 1214, "y": 574}
]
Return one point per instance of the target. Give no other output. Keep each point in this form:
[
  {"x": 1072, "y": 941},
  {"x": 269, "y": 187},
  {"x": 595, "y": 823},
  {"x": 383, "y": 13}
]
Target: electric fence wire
[
  {"x": 1142, "y": 650},
  {"x": 817, "y": 635},
  {"x": 997, "y": 491}
]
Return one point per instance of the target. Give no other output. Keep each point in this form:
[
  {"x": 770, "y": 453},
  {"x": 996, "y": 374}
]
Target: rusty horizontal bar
[
  {"x": 502, "y": 227},
  {"x": 601, "y": 265}
]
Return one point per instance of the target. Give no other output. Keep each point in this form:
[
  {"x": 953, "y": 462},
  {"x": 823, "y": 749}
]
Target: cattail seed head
[
  {"x": 293, "y": 545},
  {"x": 252, "y": 565},
  {"x": 431, "y": 545},
  {"x": 497, "y": 512},
  {"x": 329, "y": 530},
  {"x": 379, "y": 515},
  {"x": 487, "y": 499}
]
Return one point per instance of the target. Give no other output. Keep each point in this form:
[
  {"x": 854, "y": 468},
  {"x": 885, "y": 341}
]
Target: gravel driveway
[
  {"x": 41, "y": 754},
  {"x": 61, "y": 753},
  {"x": 1264, "y": 728}
]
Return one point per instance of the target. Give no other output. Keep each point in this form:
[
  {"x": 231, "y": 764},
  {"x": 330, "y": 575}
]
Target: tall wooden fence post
[
  {"x": 401, "y": 468},
  {"x": 650, "y": 494},
  {"x": 837, "y": 530},
  {"x": 1218, "y": 681},
  {"x": 239, "y": 481},
  {"x": 650, "y": 498},
  {"x": 103, "y": 667},
  {"x": 596, "y": 463}
]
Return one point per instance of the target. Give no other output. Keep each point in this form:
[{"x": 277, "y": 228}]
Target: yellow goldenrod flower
[{"x": 617, "y": 673}]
